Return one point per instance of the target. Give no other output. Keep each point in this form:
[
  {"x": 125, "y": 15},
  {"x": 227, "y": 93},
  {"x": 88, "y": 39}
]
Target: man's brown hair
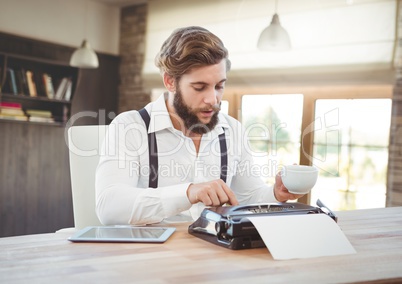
[{"x": 188, "y": 48}]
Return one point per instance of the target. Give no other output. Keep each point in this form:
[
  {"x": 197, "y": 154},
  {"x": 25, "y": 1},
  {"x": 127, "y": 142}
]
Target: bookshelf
[
  {"x": 42, "y": 88},
  {"x": 35, "y": 185}
]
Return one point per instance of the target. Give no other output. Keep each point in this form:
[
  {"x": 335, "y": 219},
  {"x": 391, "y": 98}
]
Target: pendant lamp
[
  {"x": 274, "y": 37},
  {"x": 84, "y": 56}
]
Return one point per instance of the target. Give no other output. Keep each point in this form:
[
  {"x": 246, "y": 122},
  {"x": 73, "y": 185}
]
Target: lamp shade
[
  {"x": 84, "y": 57},
  {"x": 274, "y": 37}
]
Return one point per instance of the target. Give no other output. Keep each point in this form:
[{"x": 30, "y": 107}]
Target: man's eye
[
  {"x": 198, "y": 89},
  {"x": 219, "y": 87}
]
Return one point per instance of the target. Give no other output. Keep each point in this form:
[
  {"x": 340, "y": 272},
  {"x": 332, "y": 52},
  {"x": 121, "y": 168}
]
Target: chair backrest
[{"x": 84, "y": 144}]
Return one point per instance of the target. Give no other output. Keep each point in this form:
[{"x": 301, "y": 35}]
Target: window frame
[{"x": 234, "y": 95}]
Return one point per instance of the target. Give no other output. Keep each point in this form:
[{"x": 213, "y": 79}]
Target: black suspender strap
[
  {"x": 153, "y": 153},
  {"x": 224, "y": 156},
  {"x": 152, "y": 150}
]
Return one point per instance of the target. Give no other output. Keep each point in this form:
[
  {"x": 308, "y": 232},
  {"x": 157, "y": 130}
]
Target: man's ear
[{"x": 169, "y": 82}]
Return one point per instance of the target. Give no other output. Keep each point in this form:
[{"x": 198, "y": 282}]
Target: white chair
[{"x": 84, "y": 144}]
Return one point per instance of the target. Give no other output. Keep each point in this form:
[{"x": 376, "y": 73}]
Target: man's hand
[
  {"x": 211, "y": 193},
  {"x": 281, "y": 192}
]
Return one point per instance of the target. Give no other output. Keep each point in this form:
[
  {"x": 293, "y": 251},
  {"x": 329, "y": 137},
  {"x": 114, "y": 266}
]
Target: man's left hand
[{"x": 281, "y": 192}]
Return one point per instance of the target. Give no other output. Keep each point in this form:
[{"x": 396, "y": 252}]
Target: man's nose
[{"x": 211, "y": 97}]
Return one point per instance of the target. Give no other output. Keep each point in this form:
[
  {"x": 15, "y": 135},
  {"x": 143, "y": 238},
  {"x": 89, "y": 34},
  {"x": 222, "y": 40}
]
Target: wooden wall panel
[{"x": 35, "y": 194}]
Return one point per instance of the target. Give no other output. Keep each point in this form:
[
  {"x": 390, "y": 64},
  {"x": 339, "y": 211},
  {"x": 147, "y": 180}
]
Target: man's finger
[{"x": 230, "y": 194}]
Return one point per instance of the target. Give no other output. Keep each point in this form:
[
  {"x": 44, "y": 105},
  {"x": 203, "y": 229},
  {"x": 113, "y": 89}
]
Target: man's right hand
[{"x": 211, "y": 193}]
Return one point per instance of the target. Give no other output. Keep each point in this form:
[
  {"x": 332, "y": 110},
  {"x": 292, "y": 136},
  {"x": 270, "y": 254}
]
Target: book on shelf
[
  {"x": 11, "y": 108},
  {"x": 34, "y": 84},
  {"x": 13, "y": 111},
  {"x": 31, "y": 84},
  {"x": 22, "y": 84},
  {"x": 62, "y": 88},
  {"x": 68, "y": 91},
  {"x": 9, "y": 85},
  {"x": 10, "y": 104},
  {"x": 38, "y": 115},
  {"x": 41, "y": 119},
  {"x": 39, "y": 112},
  {"x": 12, "y": 81},
  {"x": 48, "y": 85},
  {"x": 14, "y": 117},
  {"x": 40, "y": 87}
]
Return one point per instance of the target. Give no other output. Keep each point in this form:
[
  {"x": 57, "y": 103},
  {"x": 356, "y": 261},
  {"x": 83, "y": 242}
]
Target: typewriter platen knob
[{"x": 221, "y": 227}]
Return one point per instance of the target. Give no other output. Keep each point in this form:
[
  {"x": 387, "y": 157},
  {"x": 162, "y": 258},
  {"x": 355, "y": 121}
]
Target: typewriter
[{"x": 228, "y": 226}]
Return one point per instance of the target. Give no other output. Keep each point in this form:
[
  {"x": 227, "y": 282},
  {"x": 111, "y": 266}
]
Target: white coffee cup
[{"x": 299, "y": 179}]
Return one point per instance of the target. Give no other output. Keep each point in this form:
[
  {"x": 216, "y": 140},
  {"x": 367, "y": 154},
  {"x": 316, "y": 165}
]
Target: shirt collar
[{"x": 160, "y": 118}]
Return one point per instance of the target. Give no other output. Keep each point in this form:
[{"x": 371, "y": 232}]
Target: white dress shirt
[{"x": 122, "y": 192}]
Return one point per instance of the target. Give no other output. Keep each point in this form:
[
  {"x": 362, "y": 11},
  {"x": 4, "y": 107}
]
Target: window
[
  {"x": 351, "y": 151},
  {"x": 273, "y": 126},
  {"x": 225, "y": 106}
]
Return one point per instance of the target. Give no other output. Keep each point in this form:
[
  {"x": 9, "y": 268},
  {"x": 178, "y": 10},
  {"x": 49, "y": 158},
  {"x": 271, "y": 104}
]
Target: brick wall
[
  {"x": 394, "y": 186},
  {"x": 132, "y": 52},
  {"x": 394, "y": 183}
]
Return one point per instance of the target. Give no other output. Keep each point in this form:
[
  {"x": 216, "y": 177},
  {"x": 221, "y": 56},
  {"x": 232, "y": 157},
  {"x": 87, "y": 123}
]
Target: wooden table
[{"x": 376, "y": 234}]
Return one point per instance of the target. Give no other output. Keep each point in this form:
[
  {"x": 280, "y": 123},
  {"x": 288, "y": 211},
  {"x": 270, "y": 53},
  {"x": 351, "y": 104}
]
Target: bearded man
[{"x": 179, "y": 153}]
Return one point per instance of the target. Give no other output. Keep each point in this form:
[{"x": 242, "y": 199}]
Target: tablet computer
[{"x": 123, "y": 234}]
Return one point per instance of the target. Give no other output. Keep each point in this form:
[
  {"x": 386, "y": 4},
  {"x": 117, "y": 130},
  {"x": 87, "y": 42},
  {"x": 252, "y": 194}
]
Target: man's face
[{"x": 198, "y": 97}]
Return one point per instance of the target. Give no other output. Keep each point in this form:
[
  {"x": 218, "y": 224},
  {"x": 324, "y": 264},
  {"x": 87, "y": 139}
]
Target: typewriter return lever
[{"x": 326, "y": 210}]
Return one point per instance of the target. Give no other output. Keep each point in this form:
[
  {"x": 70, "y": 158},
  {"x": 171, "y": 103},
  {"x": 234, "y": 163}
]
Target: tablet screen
[{"x": 122, "y": 234}]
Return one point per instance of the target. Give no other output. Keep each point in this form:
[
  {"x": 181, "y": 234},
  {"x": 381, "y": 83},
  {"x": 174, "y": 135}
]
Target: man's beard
[{"x": 189, "y": 117}]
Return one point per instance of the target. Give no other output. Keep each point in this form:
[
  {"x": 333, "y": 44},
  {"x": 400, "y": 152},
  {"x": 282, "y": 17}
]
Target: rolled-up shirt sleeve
[{"x": 122, "y": 193}]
